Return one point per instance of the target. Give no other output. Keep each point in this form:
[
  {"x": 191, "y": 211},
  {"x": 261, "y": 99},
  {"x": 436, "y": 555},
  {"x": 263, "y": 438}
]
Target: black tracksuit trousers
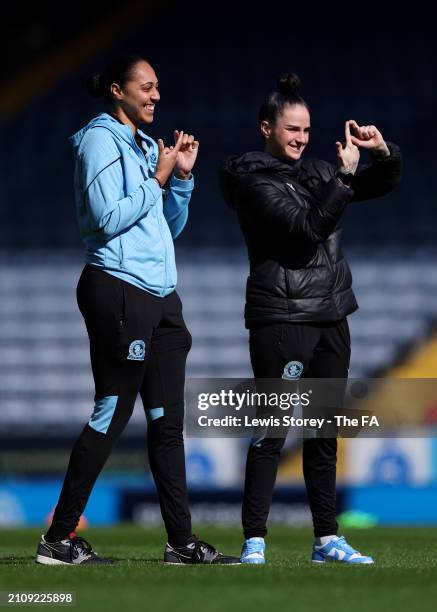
[
  {"x": 324, "y": 351},
  {"x": 138, "y": 344}
]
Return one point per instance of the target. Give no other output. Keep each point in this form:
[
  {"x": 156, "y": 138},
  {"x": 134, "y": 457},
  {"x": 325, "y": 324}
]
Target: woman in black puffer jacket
[{"x": 299, "y": 291}]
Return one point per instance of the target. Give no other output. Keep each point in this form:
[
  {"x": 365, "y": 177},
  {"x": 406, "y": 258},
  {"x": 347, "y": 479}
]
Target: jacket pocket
[
  {"x": 123, "y": 337},
  {"x": 120, "y": 251},
  {"x": 279, "y": 334}
]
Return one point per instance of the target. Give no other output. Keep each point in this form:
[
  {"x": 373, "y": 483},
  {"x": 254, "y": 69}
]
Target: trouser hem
[
  {"x": 255, "y": 533},
  {"x": 179, "y": 537}
]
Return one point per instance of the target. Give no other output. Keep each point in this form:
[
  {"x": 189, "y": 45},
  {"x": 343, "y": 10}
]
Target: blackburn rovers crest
[
  {"x": 137, "y": 350},
  {"x": 292, "y": 370}
]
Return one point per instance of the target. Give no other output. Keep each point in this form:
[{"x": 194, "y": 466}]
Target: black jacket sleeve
[
  {"x": 269, "y": 204},
  {"x": 378, "y": 178}
]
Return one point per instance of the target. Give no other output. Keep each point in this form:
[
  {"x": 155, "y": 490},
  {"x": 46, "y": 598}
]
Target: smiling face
[
  {"x": 138, "y": 96},
  {"x": 289, "y": 135}
]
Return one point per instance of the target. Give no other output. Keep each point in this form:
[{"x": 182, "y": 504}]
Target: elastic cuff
[
  {"x": 347, "y": 190},
  {"x": 325, "y": 532},
  {"x": 179, "y": 538},
  {"x": 336, "y": 197},
  {"x": 255, "y": 533},
  {"x": 182, "y": 184},
  {"x": 54, "y": 535},
  {"x": 395, "y": 153}
]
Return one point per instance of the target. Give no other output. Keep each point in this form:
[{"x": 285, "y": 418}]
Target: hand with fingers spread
[
  {"x": 348, "y": 154},
  {"x": 368, "y": 137},
  {"x": 167, "y": 159},
  {"x": 187, "y": 155}
]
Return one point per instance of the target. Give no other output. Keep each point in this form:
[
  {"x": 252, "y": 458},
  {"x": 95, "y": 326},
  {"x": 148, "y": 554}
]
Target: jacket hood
[
  {"x": 235, "y": 168},
  {"x": 120, "y": 131}
]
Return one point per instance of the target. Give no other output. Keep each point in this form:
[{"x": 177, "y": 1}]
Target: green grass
[{"x": 403, "y": 578}]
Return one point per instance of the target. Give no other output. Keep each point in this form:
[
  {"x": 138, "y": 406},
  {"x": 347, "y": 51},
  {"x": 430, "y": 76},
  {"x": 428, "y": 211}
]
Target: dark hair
[
  {"x": 119, "y": 70},
  {"x": 287, "y": 92}
]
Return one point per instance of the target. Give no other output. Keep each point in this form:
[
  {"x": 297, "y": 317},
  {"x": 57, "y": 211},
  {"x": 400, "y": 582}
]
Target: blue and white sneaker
[
  {"x": 253, "y": 551},
  {"x": 338, "y": 549}
]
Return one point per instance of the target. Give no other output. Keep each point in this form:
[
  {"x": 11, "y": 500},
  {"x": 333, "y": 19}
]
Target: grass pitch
[{"x": 403, "y": 578}]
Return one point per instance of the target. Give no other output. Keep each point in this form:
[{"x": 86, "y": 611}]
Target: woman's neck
[
  {"x": 119, "y": 114},
  {"x": 277, "y": 155},
  {"x": 273, "y": 152}
]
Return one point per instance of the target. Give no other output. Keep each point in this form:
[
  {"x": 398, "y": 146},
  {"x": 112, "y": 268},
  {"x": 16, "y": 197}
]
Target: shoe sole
[
  {"x": 176, "y": 563},
  {"x": 191, "y": 564},
  {"x": 343, "y": 562},
  {"x": 50, "y": 561}
]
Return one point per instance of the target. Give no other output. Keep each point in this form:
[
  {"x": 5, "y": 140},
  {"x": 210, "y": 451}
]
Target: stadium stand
[{"x": 45, "y": 375}]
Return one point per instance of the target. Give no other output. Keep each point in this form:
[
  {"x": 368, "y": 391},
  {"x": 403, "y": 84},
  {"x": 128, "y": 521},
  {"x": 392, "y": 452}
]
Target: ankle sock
[
  {"x": 55, "y": 536},
  {"x": 180, "y": 541},
  {"x": 325, "y": 539}
]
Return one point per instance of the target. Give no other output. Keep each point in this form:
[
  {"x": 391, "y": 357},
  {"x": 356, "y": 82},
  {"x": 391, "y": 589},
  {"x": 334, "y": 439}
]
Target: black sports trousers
[
  {"x": 324, "y": 351},
  {"x": 138, "y": 344}
]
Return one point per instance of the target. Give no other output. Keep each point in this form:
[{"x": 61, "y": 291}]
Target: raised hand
[
  {"x": 187, "y": 154},
  {"x": 368, "y": 137},
  {"x": 167, "y": 158},
  {"x": 348, "y": 154}
]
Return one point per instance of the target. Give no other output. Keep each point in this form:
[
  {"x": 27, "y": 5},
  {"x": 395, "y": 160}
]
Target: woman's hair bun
[
  {"x": 288, "y": 84},
  {"x": 94, "y": 85}
]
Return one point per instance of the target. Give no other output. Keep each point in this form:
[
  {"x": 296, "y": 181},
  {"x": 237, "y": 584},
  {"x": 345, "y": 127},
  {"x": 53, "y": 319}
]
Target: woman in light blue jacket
[{"x": 132, "y": 198}]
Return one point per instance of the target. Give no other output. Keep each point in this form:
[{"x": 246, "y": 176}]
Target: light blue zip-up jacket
[{"x": 126, "y": 226}]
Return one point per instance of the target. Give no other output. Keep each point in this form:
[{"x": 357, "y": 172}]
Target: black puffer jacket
[{"x": 290, "y": 216}]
